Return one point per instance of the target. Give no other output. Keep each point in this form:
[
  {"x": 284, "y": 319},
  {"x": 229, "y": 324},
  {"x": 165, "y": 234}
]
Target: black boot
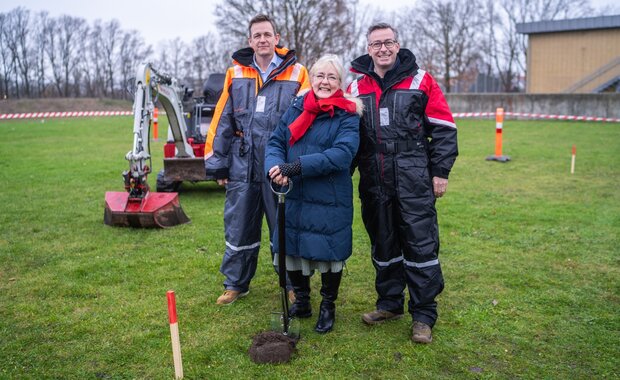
[
  {"x": 329, "y": 292},
  {"x": 301, "y": 285}
]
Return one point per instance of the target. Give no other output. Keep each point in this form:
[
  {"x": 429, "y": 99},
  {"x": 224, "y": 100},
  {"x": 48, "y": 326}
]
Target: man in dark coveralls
[
  {"x": 408, "y": 145},
  {"x": 258, "y": 88}
]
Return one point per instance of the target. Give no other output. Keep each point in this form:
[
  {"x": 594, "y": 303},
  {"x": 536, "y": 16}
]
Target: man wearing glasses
[
  {"x": 258, "y": 88},
  {"x": 408, "y": 145}
]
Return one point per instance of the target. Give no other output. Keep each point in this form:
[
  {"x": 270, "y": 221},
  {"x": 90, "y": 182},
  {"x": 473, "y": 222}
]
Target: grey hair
[
  {"x": 336, "y": 62},
  {"x": 325, "y": 60},
  {"x": 381, "y": 25}
]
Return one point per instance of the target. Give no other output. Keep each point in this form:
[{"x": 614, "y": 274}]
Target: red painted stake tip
[
  {"x": 172, "y": 307},
  {"x": 574, "y": 150}
]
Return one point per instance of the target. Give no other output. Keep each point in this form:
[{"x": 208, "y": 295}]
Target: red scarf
[{"x": 312, "y": 108}]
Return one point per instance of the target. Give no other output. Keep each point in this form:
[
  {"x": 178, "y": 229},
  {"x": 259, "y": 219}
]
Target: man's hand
[
  {"x": 440, "y": 185},
  {"x": 277, "y": 177},
  {"x": 222, "y": 182}
]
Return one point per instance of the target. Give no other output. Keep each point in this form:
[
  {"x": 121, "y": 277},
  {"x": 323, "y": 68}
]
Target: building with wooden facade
[{"x": 573, "y": 56}]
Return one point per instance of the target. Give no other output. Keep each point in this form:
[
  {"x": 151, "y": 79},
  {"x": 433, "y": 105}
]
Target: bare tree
[
  {"x": 72, "y": 29},
  {"x": 39, "y": 53},
  {"x": 454, "y": 40},
  {"x": 40, "y": 64},
  {"x": 18, "y": 26},
  {"x": 64, "y": 36},
  {"x": 361, "y": 19},
  {"x": 104, "y": 48},
  {"x": 6, "y": 57},
  {"x": 132, "y": 52},
  {"x": 445, "y": 33},
  {"x": 208, "y": 56},
  {"x": 310, "y": 27},
  {"x": 488, "y": 39},
  {"x": 427, "y": 52},
  {"x": 51, "y": 48},
  {"x": 92, "y": 65},
  {"x": 171, "y": 57}
]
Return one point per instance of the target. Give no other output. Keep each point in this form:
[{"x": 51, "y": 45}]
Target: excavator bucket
[{"x": 160, "y": 210}]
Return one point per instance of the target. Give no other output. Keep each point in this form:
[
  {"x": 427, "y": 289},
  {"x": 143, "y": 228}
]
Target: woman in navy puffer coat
[{"x": 314, "y": 145}]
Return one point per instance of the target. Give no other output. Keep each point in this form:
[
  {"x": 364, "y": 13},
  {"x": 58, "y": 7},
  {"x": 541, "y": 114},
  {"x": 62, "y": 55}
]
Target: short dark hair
[
  {"x": 261, "y": 18},
  {"x": 381, "y": 25}
]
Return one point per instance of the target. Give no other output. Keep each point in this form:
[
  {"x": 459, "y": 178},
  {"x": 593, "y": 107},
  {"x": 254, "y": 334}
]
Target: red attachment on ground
[
  {"x": 172, "y": 307},
  {"x": 154, "y": 210},
  {"x": 153, "y": 201}
]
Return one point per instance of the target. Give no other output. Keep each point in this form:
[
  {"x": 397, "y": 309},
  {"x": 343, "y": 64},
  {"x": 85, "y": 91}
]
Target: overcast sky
[{"x": 158, "y": 20}]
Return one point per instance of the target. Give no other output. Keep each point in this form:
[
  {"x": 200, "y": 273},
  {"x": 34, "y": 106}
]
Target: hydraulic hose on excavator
[{"x": 137, "y": 206}]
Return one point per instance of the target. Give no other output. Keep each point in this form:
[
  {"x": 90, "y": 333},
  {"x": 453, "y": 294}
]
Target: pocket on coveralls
[
  {"x": 412, "y": 176},
  {"x": 238, "y": 162}
]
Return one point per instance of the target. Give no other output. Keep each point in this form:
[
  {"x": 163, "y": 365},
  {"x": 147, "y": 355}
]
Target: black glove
[{"x": 290, "y": 169}]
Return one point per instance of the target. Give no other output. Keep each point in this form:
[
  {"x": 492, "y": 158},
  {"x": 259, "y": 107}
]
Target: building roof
[{"x": 587, "y": 23}]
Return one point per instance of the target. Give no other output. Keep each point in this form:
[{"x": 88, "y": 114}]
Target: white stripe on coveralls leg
[
  {"x": 243, "y": 247},
  {"x": 386, "y": 263},
  {"x": 422, "y": 265}
]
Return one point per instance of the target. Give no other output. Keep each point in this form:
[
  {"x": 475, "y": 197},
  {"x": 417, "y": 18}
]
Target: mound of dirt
[
  {"x": 63, "y": 105},
  {"x": 271, "y": 347}
]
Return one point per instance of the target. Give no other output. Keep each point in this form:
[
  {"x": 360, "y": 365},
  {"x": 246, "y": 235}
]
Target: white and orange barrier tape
[
  {"x": 536, "y": 116},
  {"x": 45, "y": 115}
]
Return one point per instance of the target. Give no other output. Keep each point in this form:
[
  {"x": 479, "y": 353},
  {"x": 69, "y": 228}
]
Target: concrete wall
[{"x": 601, "y": 105}]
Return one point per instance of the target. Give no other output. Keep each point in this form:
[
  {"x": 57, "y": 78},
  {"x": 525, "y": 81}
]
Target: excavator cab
[{"x": 200, "y": 110}]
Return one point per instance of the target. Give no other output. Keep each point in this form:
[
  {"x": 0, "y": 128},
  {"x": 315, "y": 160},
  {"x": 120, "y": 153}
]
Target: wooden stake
[
  {"x": 174, "y": 335},
  {"x": 572, "y": 160}
]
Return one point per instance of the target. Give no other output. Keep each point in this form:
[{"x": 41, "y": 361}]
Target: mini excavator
[{"x": 137, "y": 206}]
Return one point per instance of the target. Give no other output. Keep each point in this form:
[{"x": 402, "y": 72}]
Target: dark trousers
[
  {"x": 404, "y": 237},
  {"x": 246, "y": 204}
]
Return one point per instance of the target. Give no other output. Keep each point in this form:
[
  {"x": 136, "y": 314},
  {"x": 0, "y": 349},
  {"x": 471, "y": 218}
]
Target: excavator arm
[{"x": 151, "y": 86}]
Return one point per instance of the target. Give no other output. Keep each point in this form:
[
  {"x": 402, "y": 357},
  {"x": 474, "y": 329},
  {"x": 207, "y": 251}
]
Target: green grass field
[{"x": 530, "y": 255}]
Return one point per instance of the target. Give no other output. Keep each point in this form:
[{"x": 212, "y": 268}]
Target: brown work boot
[
  {"x": 230, "y": 296},
  {"x": 421, "y": 333},
  {"x": 379, "y": 316}
]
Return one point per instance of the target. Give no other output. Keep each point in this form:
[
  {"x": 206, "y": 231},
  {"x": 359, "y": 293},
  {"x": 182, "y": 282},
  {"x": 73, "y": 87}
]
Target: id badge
[
  {"x": 384, "y": 117},
  {"x": 260, "y": 103}
]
